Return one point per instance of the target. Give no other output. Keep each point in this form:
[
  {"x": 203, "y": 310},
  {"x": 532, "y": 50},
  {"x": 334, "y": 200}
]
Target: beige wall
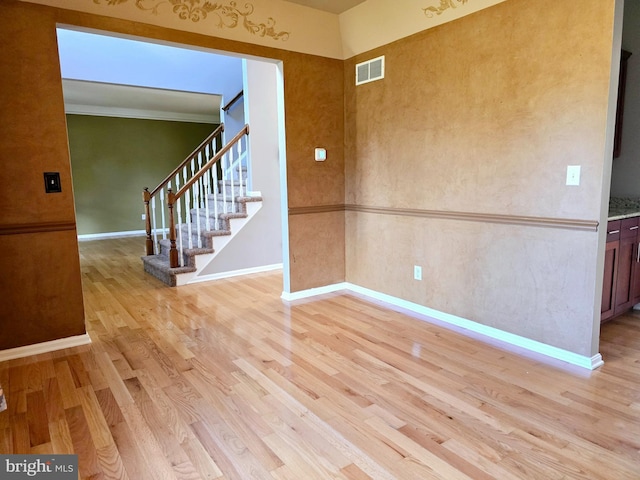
[
  {"x": 35, "y": 140},
  {"x": 272, "y": 23},
  {"x": 478, "y": 119},
  {"x": 374, "y": 23},
  {"x": 288, "y": 25}
]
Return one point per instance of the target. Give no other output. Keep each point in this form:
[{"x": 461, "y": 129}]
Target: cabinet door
[
  {"x": 624, "y": 277},
  {"x": 610, "y": 270},
  {"x": 626, "y": 262},
  {"x": 609, "y": 280},
  {"x": 635, "y": 286}
]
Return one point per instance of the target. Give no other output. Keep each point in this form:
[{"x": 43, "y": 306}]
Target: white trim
[
  {"x": 464, "y": 326},
  {"x": 313, "y": 292},
  {"x": 236, "y": 273},
  {"x": 103, "y": 99},
  {"x": 44, "y": 347},
  {"x": 284, "y": 195},
  {"x": 103, "y": 236},
  {"x": 117, "y": 112}
]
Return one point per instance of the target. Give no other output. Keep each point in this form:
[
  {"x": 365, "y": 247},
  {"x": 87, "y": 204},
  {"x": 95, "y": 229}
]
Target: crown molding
[{"x": 101, "y": 111}]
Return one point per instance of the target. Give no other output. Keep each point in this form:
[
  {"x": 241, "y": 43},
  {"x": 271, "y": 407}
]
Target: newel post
[
  {"x": 173, "y": 253},
  {"x": 146, "y": 197}
]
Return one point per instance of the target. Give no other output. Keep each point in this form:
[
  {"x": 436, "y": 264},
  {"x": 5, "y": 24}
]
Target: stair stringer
[{"x": 201, "y": 261}]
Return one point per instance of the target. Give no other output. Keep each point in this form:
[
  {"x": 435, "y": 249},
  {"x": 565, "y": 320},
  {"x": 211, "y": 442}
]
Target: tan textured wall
[
  {"x": 482, "y": 116},
  {"x": 41, "y": 291},
  {"x": 34, "y": 140},
  {"x": 40, "y": 281},
  {"x": 314, "y": 113}
]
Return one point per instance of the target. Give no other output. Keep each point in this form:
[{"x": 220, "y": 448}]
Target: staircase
[{"x": 196, "y": 211}]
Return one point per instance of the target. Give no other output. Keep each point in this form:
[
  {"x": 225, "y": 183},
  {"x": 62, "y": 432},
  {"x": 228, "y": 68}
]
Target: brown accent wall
[
  {"x": 40, "y": 281},
  {"x": 480, "y": 118},
  {"x": 35, "y": 140}
]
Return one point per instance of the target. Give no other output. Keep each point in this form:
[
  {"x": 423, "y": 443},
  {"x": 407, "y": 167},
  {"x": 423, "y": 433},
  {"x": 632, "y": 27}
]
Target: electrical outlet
[
  {"x": 417, "y": 272},
  {"x": 144, "y": 217}
]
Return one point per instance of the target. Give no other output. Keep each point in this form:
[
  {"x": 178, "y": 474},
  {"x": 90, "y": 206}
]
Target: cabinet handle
[
  {"x": 633, "y": 228},
  {"x": 613, "y": 231}
]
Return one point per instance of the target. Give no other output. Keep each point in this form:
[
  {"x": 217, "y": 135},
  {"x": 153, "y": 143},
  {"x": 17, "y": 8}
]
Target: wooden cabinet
[
  {"x": 621, "y": 281},
  {"x": 610, "y": 270}
]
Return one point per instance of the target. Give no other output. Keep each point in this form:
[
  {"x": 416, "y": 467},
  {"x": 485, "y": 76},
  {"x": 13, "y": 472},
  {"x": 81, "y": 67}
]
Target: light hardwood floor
[{"x": 225, "y": 380}]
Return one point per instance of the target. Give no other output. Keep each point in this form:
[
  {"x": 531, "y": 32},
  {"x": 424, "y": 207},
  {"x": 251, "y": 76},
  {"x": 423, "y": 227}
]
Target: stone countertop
[{"x": 623, "y": 207}]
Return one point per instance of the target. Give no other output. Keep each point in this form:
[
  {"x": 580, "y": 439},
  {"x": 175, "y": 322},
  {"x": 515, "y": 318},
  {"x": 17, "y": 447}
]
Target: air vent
[{"x": 370, "y": 70}]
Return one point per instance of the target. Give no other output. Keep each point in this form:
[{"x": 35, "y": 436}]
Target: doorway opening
[{"x": 131, "y": 104}]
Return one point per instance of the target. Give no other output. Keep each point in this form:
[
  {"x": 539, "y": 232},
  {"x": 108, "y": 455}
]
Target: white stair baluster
[
  {"x": 196, "y": 200},
  {"x": 162, "y": 212},
  {"x": 240, "y": 189},
  {"x": 207, "y": 190},
  {"x": 233, "y": 188},
  {"x": 179, "y": 226},
  {"x": 185, "y": 176},
  {"x": 187, "y": 213},
  {"x": 216, "y": 191},
  {"x": 153, "y": 223},
  {"x": 224, "y": 183},
  {"x": 201, "y": 183}
]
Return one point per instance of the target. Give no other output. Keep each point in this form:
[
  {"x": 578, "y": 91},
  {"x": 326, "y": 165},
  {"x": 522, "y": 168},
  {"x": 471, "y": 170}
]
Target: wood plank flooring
[{"x": 223, "y": 380}]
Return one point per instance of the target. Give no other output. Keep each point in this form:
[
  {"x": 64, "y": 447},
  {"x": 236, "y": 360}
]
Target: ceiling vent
[{"x": 370, "y": 70}]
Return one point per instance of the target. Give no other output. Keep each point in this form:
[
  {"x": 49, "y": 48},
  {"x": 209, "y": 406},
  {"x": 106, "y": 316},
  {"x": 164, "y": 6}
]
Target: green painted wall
[{"x": 113, "y": 159}]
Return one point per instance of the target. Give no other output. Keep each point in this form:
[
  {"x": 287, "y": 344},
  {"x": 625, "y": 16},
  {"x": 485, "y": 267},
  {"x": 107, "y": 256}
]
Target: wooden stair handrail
[
  {"x": 187, "y": 159},
  {"x": 228, "y": 106},
  {"x": 172, "y": 198},
  {"x": 218, "y": 156}
]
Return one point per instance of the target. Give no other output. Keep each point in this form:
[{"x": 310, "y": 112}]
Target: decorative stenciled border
[
  {"x": 228, "y": 14},
  {"x": 444, "y": 6}
]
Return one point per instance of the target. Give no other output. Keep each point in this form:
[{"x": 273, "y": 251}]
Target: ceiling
[
  {"x": 331, "y": 6},
  {"x": 107, "y": 99}
]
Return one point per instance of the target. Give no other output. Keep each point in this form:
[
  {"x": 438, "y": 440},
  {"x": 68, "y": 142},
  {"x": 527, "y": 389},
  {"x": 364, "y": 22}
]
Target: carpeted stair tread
[{"x": 158, "y": 265}]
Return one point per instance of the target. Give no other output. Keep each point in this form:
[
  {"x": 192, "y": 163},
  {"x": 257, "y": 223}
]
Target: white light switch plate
[{"x": 573, "y": 174}]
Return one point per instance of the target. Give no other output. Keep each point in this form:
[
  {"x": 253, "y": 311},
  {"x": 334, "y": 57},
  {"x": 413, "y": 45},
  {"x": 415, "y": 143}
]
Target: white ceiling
[
  {"x": 331, "y": 6},
  {"x": 108, "y": 99}
]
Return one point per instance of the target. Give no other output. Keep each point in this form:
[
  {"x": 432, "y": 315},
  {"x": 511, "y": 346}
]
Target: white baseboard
[
  {"x": 44, "y": 347},
  {"x": 314, "y": 292},
  {"x": 459, "y": 324},
  {"x": 236, "y": 273},
  {"x": 106, "y": 235}
]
